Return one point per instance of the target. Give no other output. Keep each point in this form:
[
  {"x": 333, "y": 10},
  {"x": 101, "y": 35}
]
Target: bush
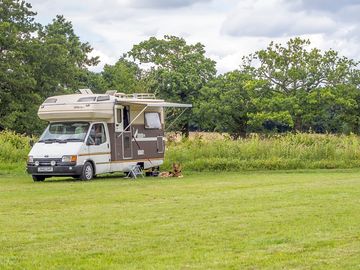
[
  {"x": 290, "y": 151},
  {"x": 14, "y": 149}
]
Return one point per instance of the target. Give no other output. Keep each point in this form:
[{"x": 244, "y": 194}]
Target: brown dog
[{"x": 176, "y": 171}]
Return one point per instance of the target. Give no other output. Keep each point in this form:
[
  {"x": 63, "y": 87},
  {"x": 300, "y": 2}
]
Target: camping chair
[{"x": 135, "y": 170}]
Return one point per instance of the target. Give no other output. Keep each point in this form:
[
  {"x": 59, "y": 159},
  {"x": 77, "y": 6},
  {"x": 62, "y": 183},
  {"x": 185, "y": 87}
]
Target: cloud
[
  {"x": 273, "y": 19},
  {"x": 165, "y": 4},
  {"x": 326, "y": 5},
  {"x": 229, "y": 29}
]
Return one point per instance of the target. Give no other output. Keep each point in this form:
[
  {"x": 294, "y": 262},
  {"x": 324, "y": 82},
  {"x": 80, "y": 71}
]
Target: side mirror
[
  {"x": 90, "y": 141},
  {"x": 31, "y": 143}
]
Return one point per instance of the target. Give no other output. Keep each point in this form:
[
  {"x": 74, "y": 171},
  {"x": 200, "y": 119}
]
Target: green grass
[{"x": 253, "y": 220}]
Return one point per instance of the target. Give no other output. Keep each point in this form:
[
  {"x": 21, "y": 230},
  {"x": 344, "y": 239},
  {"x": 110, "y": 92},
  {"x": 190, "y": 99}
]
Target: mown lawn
[{"x": 254, "y": 220}]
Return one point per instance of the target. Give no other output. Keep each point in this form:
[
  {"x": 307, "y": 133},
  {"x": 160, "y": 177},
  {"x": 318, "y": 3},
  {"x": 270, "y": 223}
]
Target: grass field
[{"x": 253, "y": 220}]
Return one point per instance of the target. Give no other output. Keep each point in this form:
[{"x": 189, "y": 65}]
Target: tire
[
  {"x": 87, "y": 172},
  {"x": 38, "y": 178}
]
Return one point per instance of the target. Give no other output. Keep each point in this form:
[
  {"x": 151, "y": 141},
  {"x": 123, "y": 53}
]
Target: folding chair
[{"x": 135, "y": 170}]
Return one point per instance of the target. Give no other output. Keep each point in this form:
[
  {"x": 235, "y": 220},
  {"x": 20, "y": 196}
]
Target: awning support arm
[
  {"x": 176, "y": 119},
  {"x": 136, "y": 117}
]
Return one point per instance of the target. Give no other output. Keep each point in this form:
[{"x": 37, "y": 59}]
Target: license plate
[{"x": 45, "y": 169}]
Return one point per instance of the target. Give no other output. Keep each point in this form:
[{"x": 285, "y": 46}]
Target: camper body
[{"x": 90, "y": 134}]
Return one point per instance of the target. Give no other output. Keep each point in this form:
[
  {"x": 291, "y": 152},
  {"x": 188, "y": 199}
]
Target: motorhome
[{"x": 90, "y": 134}]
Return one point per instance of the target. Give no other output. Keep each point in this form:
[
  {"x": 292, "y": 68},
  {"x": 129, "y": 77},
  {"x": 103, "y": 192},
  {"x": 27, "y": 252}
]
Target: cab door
[{"x": 99, "y": 147}]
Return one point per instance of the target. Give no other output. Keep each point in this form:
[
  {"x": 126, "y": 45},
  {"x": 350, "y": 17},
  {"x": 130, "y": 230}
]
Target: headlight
[
  {"x": 69, "y": 159},
  {"x": 30, "y": 159}
]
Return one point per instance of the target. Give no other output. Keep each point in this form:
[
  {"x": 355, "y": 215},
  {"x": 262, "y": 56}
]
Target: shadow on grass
[{"x": 118, "y": 176}]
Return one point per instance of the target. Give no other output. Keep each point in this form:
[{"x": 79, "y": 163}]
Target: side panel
[
  {"x": 160, "y": 144},
  {"x": 147, "y": 142}
]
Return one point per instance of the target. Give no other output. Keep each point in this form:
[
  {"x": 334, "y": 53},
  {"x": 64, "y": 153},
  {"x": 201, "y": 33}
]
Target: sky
[{"x": 229, "y": 29}]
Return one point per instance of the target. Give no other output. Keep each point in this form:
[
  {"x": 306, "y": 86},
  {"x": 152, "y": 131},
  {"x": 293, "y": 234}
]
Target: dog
[{"x": 176, "y": 171}]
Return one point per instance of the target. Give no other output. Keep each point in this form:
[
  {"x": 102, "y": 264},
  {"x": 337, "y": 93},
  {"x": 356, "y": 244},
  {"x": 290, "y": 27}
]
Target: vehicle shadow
[{"x": 98, "y": 178}]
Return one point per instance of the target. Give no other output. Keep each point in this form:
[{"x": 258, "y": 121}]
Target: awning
[
  {"x": 158, "y": 104},
  {"x": 169, "y": 104},
  {"x": 154, "y": 104}
]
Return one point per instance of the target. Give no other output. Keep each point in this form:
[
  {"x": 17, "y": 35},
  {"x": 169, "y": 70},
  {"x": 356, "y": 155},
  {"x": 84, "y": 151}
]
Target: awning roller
[{"x": 159, "y": 104}]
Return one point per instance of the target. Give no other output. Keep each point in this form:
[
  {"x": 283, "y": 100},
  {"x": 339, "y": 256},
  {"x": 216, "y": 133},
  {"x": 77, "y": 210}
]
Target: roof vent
[
  {"x": 85, "y": 91},
  {"x": 110, "y": 92},
  {"x": 120, "y": 95}
]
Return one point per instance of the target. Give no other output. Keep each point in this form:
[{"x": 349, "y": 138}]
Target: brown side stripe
[
  {"x": 128, "y": 160},
  {"x": 95, "y": 154},
  {"x": 135, "y": 160}
]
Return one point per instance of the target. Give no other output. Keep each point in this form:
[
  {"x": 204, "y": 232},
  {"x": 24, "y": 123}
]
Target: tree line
[{"x": 282, "y": 88}]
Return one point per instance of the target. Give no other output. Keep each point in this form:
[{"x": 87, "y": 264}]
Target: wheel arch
[{"x": 93, "y": 164}]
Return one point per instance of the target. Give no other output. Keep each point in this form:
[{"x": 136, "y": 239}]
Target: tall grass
[
  {"x": 14, "y": 149},
  {"x": 291, "y": 151}
]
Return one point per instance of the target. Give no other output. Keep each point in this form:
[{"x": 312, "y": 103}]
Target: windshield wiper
[
  {"x": 74, "y": 140},
  {"x": 52, "y": 140}
]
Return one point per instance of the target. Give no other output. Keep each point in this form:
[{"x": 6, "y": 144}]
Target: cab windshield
[{"x": 65, "y": 132}]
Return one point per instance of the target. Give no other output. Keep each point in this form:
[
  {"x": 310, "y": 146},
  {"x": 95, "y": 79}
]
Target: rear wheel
[
  {"x": 38, "y": 178},
  {"x": 87, "y": 172}
]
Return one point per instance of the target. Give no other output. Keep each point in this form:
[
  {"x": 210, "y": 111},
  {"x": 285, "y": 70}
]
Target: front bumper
[{"x": 63, "y": 170}]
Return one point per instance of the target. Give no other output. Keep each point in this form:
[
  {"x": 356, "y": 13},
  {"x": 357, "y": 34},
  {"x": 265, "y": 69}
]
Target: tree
[
  {"x": 92, "y": 80},
  {"x": 177, "y": 70},
  {"x": 125, "y": 76},
  {"x": 59, "y": 58},
  {"x": 36, "y": 62},
  {"x": 16, "y": 81},
  {"x": 227, "y": 101},
  {"x": 299, "y": 81}
]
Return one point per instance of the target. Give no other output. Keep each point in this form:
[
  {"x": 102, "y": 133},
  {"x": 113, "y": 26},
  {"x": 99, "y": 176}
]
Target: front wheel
[
  {"x": 38, "y": 178},
  {"x": 87, "y": 172}
]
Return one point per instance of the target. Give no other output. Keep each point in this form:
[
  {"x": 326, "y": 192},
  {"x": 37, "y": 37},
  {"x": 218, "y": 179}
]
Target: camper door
[{"x": 123, "y": 133}]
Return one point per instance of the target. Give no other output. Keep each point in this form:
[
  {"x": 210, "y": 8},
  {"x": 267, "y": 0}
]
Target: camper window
[
  {"x": 50, "y": 100},
  {"x": 97, "y": 135},
  {"x": 152, "y": 120},
  {"x": 103, "y": 98},
  {"x": 118, "y": 116},
  {"x": 86, "y": 99}
]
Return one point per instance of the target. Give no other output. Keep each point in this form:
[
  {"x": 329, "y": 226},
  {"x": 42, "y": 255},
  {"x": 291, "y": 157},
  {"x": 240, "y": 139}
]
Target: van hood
[{"x": 55, "y": 150}]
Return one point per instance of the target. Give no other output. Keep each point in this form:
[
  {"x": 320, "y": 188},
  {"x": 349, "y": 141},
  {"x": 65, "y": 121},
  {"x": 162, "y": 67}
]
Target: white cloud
[
  {"x": 164, "y": 4},
  {"x": 229, "y": 29},
  {"x": 273, "y": 18}
]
